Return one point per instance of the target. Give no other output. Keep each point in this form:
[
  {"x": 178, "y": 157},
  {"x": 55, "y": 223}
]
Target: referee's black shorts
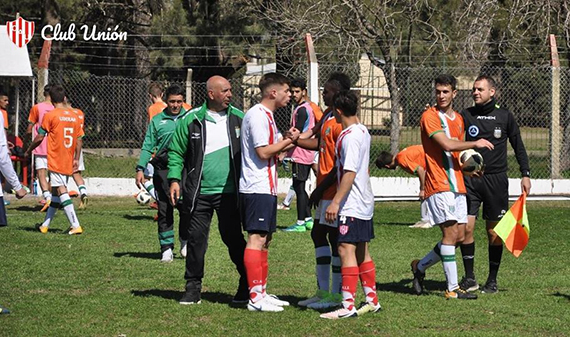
[{"x": 493, "y": 191}]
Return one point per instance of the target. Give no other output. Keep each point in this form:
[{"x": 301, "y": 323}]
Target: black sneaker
[
  {"x": 460, "y": 294},
  {"x": 241, "y": 296},
  {"x": 468, "y": 284},
  {"x": 490, "y": 287},
  {"x": 190, "y": 297},
  {"x": 418, "y": 281}
]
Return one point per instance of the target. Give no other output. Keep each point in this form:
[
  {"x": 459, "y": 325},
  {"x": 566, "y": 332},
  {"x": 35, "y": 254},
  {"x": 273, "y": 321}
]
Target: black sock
[
  {"x": 468, "y": 253},
  {"x": 495, "y": 254}
]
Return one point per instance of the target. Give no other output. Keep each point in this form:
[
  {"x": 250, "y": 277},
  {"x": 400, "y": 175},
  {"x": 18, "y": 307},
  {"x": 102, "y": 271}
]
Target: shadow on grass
[
  {"x": 166, "y": 294},
  {"x": 138, "y": 217},
  {"x": 139, "y": 255},
  {"x": 395, "y": 224},
  {"x": 559, "y": 294},
  {"x": 404, "y": 286},
  {"x": 27, "y": 208},
  {"x": 33, "y": 229}
]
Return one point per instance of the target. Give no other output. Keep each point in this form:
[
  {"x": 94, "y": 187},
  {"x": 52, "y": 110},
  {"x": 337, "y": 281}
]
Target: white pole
[
  {"x": 313, "y": 73},
  {"x": 555, "y": 139},
  {"x": 189, "y": 86},
  {"x": 16, "y": 129}
]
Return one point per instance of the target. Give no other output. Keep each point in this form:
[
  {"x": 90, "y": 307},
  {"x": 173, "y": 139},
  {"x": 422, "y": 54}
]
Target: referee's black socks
[
  {"x": 468, "y": 254},
  {"x": 495, "y": 254}
]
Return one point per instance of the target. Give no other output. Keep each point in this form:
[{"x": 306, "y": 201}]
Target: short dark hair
[
  {"x": 155, "y": 89},
  {"x": 174, "y": 90},
  {"x": 342, "y": 79},
  {"x": 347, "y": 101},
  {"x": 298, "y": 83},
  {"x": 385, "y": 158},
  {"x": 270, "y": 79},
  {"x": 446, "y": 79},
  {"x": 57, "y": 94},
  {"x": 47, "y": 88},
  {"x": 3, "y": 93},
  {"x": 489, "y": 80}
]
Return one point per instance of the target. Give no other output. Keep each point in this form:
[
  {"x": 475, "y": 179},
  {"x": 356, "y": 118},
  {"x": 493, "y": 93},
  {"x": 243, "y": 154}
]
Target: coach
[
  {"x": 206, "y": 145},
  {"x": 489, "y": 121}
]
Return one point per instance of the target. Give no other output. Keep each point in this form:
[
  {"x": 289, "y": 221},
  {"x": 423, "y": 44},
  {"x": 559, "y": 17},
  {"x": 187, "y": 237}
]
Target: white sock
[
  {"x": 323, "y": 269},
  {"x": 336, "y": 275},
  {"x": 300, "y": 222},
  {"x": 52, "y": 209},
  {"x": 431, "y": 258},
  {"x": 449, "y": 266},
  {"x": 67, "y": 205},
  {"x": 289, "y": 197},
  {"x": 149, "y": 187},
  {"x": 82, "y": 189},
  {"x": 424, "y": 211},
  {"x": 46, "y": 195}
]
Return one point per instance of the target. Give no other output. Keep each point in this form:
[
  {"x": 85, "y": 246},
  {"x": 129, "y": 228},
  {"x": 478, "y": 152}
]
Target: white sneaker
[
  {"x": 331, "y": 301},
  {"x": 263, "y": 305},
  {"x": 368, "y": 307},
  {"x": 274, "y": 300},
  {"x": 167, "y": 256},
  {"x": 340, "y": 313},
  {"x": 421, "y": 224},
  {"x": 318, "y": 296},
  {"x": 183, "y": 248}
]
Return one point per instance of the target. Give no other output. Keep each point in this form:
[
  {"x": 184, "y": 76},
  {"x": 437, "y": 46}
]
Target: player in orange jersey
[
  {"x": 64, "y": 134},
  {"x": 77, "y": 176},
  {"x": 442, "y": 132}
]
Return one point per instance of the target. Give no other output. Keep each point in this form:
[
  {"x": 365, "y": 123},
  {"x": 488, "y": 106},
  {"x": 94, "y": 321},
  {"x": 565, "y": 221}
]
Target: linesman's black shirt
[{"x": 495, "y": 124}]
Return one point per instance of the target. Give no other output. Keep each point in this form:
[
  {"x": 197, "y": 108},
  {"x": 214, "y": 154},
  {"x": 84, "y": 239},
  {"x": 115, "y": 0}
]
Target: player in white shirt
[
  {"x": 353, "y": 204},
  {"x": 261, "y": 143}
]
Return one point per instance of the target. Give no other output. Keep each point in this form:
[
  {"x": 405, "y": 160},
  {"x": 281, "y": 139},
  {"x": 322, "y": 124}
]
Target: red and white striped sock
[
  {"x": 253, "y": 260},
  {"x": 349, "y": 283},
  {"x": 368, "y": 280}
]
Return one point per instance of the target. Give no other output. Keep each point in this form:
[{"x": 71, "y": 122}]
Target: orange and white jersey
[
  {"x": 81, "y": 116},
  {"x": 330, "y": 130},
  {"x": 155, "y": 109},
  {"x": 62, "y": 128},
  {"x": 412, "y": 157},
  {"x": 443, "y": 173}
]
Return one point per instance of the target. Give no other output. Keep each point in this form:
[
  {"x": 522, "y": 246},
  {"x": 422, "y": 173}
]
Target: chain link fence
[{"x": 116, "y": 110}]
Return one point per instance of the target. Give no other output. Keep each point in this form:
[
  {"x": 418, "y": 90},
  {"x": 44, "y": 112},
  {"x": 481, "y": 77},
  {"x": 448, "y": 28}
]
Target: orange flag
[{"x": 513, "y": 227}]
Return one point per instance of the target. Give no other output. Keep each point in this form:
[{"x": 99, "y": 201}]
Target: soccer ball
[
  {"x": 143, "y": 197},
  {"x": 471, "y": 162}
]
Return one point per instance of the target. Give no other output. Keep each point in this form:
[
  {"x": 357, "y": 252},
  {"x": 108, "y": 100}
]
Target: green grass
[{"x": 109, "y": 282}]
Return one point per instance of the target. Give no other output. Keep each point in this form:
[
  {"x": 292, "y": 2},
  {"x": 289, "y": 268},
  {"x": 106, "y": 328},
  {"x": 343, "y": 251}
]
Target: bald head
[{"x": 219, "y": 93}]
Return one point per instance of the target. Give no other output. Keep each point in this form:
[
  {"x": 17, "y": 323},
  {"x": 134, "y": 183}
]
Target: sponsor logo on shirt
[
  {"x": 196, "y": 135},
  {"x": 473, "y": 131},
  {"x": 162, "y": 122},
  {"x": 487, "y": 117},
  {"x": 67, "y": 119},
  {"x": 497, "y": 133}
]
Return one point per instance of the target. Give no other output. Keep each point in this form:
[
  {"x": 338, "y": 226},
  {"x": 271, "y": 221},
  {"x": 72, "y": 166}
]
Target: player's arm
[
  {"x": 149, "y": 144},
  {"x": 448, "y": 144},
  {"x": 7, "y": 170},
  {"x": 317, "y": 194},
  {"x": 341, "y": 193},
  {"x": 520, "y": 152},
  {"x": 176, "y": 154},
  {"x": 421, "y": 172},
  {"x": 77, "y": 154},
  {"x": 269, "y": 151},
  {"x": 36, "y": 142}
]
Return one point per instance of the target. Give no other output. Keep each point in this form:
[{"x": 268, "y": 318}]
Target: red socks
[
  {"x": 265, "y": 267},
  {"x": 256, "y": 277},
  {"x": 349, "y": 283},
  {"x": 368, "y": 280}
]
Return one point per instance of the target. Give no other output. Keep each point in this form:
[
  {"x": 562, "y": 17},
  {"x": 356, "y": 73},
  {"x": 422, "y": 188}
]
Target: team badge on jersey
[
  {"x": 473, "y": 131},
  {"x": 497, "y": 133},
  {"x": 328, "y": 130},
  {"x": 343, "y": 229},
  {"x": 237, "y": 131}
]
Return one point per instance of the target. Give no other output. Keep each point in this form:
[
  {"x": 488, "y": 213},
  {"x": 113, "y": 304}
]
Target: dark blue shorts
[
  {"x": 353, "y": 230},
  {"x": 258, "y": 212}
]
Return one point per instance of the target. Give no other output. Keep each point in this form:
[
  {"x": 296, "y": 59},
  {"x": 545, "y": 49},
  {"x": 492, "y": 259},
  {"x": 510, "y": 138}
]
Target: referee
[{"x": 489, "y": 121}]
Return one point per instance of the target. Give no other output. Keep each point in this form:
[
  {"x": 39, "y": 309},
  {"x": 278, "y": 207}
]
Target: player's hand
[
  {"x": 422, "y": 195},
  {"x": 174, "y": 192},
  {"x": 139, "y": 179},
  {"x": 21, "y": 193},
  {"x": 281, "y": 156},
  {"x": 525, "y": 185},
  {"x": 293, "y": 134},
  {"x": 315, "y": 198},
  {"x": 483, "y": 143},
  {"x": 75, "y": 165},
  {"x": 332, "y": 212},
  {"x": 27, "y": 154}
]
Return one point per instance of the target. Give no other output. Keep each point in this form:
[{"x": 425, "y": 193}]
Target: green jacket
[{"x": 158, "y": 135}]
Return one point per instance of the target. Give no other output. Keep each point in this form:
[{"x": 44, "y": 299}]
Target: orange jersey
[
  {"x": 5, "y": 115},
  {"x": 155, "y": 109},
  {"x": 81, "y": 116},
  {"x": 62, "y": 127},
  {"x": 330, "y": 130},
  {"x": 186, "y": 106},
  {"x": 412, "y": 157},
  {"x": 442, "y": 167},
  {"x": 316, "y": 112}
]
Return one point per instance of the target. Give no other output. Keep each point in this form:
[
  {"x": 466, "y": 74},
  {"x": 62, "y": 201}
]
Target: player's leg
[
  {"x": 367, "y": 271},
  {"x": 3, "y": 219},
  {"x": 165, "y": 217},
  {"x": 66, "y": 203},
  {"x": 286, "y": 203},
  {"x": 51, "y": 210},
  {"x": 230, "y": 230},
  {"x": 40, "y": 163},
  {"x": 473, "y": 185},
  {"x": 148, "y": 185},
  {"x": 323, "y": 263},
  {"x": 78, "y": 178},
  {"x": 198, "y": 231}
]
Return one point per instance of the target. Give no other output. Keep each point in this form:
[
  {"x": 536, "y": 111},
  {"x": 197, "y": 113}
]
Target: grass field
[{"x": 109, "y": 281}]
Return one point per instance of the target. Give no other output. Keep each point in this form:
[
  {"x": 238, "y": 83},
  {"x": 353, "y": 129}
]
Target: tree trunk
[{"x": 395, "y": 98}]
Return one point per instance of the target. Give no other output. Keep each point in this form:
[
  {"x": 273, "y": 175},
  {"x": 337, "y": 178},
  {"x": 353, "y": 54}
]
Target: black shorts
[
  {"x": 353, "y": 230},
  {"x": 258, "y": 212},
  {"x": 493, "y": 191},
  {"x": 301, "y": 171}
]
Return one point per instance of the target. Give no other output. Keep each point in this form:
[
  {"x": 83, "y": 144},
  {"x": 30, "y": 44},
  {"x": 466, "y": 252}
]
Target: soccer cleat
[
  {"x": 190, "y": 298},
  {"x": 84, "y": 201},
  {"x": 183, "y": 248},
  {"x": 73, "y": 194},
  {"x": 468, "y": 284},
  {"x": 241, "y": 297},
  {"x": 367, "y": 307},
  {"x": 6, "y": 202},
  {"x": 46, "y": 205},
  {"x": 490, "y": 287},
  {"x": 75, "y": 231},
  {"x": 42, "y": 229},
  {"x": 283, "y": 207},
  {"x": 274, "y": 300},
  {"x": 418, "y": 281},
  {"x": 460, "y": 294},
  {"x": 318, "y": 296},
  {"x": 330, "y": 301},
  {"x": 167, "y": 256},
  {"x": 296, "y": 228},
  {"x": 340, "y": 313},
  {"x": 421, "y": 224},
  {"x": 309, "y": 224},
  {"x": 263, "y": 305},
  {"x": 4, "y": 310}
]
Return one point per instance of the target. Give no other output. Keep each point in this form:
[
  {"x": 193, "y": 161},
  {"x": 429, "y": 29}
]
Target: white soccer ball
[
  {"x": 143, "y": 197},
  {"x": 471, "y": 162}
]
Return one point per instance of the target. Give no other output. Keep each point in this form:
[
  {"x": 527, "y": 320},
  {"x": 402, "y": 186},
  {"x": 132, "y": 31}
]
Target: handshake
[{"x": 292, "y": 134}]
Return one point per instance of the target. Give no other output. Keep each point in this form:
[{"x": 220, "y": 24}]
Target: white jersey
[
  {"x": 353, "y": 154},
  {"x": 258, "y": 129}
]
